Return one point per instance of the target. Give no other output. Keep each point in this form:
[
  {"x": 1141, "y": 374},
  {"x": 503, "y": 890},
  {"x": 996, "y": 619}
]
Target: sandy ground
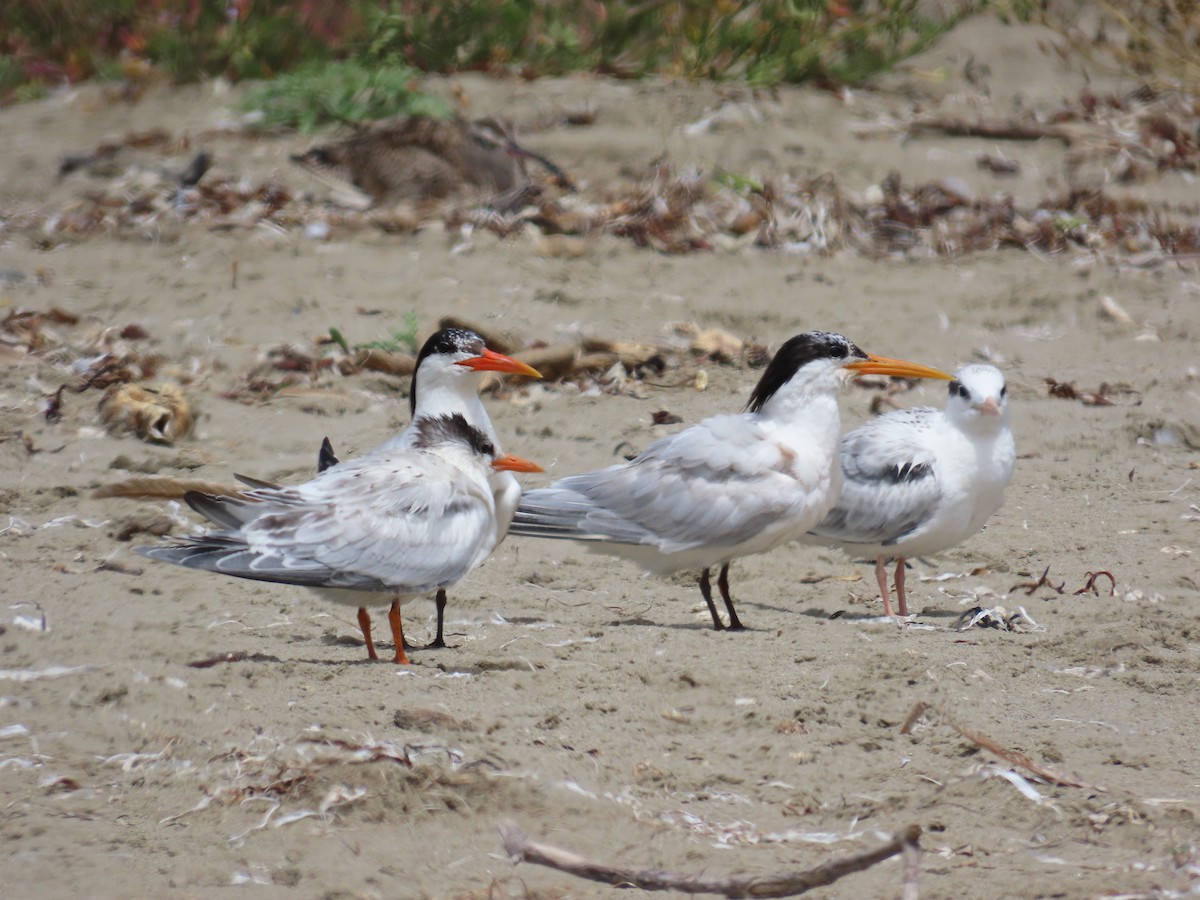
[{"x": 592, "y": 706}]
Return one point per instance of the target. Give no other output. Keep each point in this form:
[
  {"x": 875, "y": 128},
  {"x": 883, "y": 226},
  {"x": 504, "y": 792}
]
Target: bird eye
[
  {"x": 958, "y": 389},
  {"x": 1004, "y": 392},
  {"x": 838, "y": 350}
]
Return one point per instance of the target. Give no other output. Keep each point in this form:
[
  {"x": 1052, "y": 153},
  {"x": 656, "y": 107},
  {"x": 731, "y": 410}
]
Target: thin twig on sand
[
  {"x": 790, "y": 884},
  {"x": 995, "y": 129},
  {"x": 979, "y": 739}
]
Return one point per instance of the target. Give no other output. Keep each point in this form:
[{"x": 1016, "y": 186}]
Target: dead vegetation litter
[{"x": 1110, "y": 140}]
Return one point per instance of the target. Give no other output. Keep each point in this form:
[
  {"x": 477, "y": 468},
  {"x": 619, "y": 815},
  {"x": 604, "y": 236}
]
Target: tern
[
  {"x": 919, "y": 481},
  {"x": 446, "y": 380},
  {"x": 387, "y": 526},
  {"x": 728, "y": 487}
]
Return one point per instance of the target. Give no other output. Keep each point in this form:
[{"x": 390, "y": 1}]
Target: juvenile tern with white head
[{"x": 919, "y": 481}]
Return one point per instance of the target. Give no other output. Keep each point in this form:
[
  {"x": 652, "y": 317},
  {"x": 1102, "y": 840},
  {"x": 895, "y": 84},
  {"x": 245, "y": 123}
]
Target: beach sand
[{"x": 592, "y": 706}]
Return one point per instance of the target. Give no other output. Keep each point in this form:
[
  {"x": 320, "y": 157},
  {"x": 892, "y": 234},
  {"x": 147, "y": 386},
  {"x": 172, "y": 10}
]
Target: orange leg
[
  {"x": 364, "y": 622},
  {"x": 397, "y": 633},
  {"x": 881, "y": 577}
]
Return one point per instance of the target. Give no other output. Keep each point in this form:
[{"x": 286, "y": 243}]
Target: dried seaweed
[
  {"x": 1129, "y": 137},
  {"x": 161, "y": 414}
]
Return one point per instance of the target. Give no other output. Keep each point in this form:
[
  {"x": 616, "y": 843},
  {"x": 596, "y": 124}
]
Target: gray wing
[
  {"x": 890, "y": 485},
  {"x": 716, "y": 484},
  {"x": 395, "y": 525}
]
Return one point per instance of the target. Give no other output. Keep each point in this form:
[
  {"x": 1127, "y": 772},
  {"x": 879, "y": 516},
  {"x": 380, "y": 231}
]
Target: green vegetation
[
  {"x": 345, "y": 56},
  {"x": 52, "y": 41},
  {"x": 323, "y": 93},
  {"x": 403, "y": 340},
  {"x": 765, "y": 42}
]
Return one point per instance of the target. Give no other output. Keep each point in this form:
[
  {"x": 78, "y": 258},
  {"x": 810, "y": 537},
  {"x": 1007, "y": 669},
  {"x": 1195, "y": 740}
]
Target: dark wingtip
[{"x": 326, "y": 458}]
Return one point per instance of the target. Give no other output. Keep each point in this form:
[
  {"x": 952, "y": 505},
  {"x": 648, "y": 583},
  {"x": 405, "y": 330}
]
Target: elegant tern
[
  {"x": 919, "y": 481},
  {"x": 392, "y": 524},
  {"x": 728, "y": 487},
  {"x": 443, "y": 383},
  {"x": 446, "y": 379}
]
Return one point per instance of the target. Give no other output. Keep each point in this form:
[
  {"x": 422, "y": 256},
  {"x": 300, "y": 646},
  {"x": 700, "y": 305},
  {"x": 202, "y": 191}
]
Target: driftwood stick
[
  {"x": 375, "y": 360},
  {"x": 979, "y": 739},
  {"x": 1007, "y": 130},
  {"x": 163, "y": 487},
  {"x": 521, "y": 849}
]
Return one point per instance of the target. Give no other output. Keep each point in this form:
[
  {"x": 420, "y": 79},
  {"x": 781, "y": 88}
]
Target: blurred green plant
[
  {"x": 55, "y": 41},
  {"x": 323, "y": 93},
  {"x": 765, "y": 42},
  {"x": 403, "y": 340}
]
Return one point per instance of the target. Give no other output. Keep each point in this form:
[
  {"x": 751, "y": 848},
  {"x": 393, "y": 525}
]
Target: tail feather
[
  {"x": 204, "y": 552},
  {"x": 227, "y": 511},
  {"x": 257, "y": 483},
  {"x": 227, "y": 554},
  {"x": 561, "y": 514}
]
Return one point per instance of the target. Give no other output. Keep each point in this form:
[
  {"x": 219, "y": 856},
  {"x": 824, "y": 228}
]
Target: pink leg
[
  {"x": 900, "y": 595},
  {"x": 881, "y": 577}
]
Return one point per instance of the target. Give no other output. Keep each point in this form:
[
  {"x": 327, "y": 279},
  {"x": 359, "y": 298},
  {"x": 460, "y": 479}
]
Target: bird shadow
[
  {"x": 642, "y": 622},
  {"x": 816, "y": 612}
]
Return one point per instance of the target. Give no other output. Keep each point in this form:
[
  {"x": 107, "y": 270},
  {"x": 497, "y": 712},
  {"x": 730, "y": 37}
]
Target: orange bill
[
  {"x": 882, "y": 365},
  {"x": 510, "y": 463},
  {"x": 491, "y": 361}
]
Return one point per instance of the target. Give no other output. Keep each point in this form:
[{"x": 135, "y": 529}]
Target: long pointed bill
[
  {"x": 491, "y": 361},
  {"x": 510, "y": 463},
  {"x": 882, "y": 365}
]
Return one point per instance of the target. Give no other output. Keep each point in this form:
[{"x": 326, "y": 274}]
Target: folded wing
[{"x": 890, "y": 486}]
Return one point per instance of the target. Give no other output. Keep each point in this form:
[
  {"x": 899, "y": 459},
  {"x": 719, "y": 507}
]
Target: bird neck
[
  {"x": 983, "y": 428},
  {"x": 803, "y": 391},
  {"x": 810, "y": 408},
  {"x": 440, "y": 399}
]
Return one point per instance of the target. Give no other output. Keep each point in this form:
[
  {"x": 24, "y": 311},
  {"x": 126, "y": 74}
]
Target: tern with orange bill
[
  {"x": 730, "y": 486},
  {"x": 410, "y": 517}
]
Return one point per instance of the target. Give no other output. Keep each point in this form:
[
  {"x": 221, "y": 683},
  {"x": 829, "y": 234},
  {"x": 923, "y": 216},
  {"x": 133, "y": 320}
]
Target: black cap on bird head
[
  {"x": 448, "y": 341},
  {"x": 796, "y": 353}
]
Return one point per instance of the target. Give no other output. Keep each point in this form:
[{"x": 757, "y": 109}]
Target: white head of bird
[
  {"x": 978, "y": 399},
  {"x": 448, "y": 373}
]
